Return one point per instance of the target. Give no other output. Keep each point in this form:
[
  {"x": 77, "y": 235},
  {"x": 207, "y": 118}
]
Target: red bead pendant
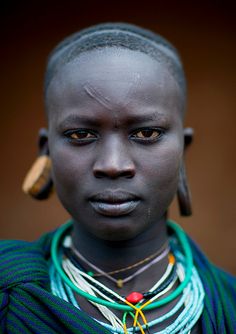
[{"x": 134, "y": 297}]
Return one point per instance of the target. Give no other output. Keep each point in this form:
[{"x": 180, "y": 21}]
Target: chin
[{"x": 117, "y": 233}]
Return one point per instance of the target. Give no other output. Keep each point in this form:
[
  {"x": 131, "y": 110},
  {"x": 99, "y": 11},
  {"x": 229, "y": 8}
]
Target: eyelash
[
  {"x": 69, "y": 135},
  {"x": 93, "y": 136},
  {"x": 146, "y": 140}
]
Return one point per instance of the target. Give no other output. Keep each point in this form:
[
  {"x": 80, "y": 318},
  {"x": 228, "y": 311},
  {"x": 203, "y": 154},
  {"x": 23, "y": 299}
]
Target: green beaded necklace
[{"x": 61, "y": 231}]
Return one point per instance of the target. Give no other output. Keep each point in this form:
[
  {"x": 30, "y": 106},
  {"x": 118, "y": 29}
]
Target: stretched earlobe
[
  {"x": 183, "y": 192},
  {"x": 38, "y": 181},
  {"x": 188, "y": 137},
  {"x": 43, "y": 141}
]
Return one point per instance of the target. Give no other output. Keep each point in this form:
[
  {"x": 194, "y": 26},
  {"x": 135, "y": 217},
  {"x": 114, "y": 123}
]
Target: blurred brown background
[{"x": 203, "y": 32}]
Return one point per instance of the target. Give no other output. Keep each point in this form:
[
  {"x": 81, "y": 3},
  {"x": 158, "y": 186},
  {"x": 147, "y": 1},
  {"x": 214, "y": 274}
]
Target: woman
[{"x": 115, "y": 102}]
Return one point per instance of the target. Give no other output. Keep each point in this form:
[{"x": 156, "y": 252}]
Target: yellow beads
[{"x": 119, "y": 283}]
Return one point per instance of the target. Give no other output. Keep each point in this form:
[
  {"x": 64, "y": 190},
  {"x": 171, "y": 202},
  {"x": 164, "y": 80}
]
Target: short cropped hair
[{"x": 122, "y": 35}]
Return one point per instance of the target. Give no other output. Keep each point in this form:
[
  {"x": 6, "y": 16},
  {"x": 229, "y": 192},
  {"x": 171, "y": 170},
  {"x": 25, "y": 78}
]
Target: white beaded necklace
[{"x": 192, "y": 298}]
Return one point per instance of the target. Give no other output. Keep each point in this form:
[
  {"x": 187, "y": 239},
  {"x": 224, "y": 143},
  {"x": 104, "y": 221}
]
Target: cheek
[
  {"x": 161, "y": 169},
  {"x": 162, "y": 182},
  {"x": 69, "y": 169}
]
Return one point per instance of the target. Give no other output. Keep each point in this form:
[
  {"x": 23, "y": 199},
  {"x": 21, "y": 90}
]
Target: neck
[{"x": 102, "y": 252}]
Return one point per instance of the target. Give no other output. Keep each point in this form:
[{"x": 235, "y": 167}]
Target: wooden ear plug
[{"x": 38, "y": 182}]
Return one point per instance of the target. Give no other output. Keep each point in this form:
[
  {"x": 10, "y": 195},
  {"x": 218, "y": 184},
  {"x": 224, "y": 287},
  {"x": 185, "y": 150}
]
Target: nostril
[
  {"x": 114, "y": 173},
  {"x": 99, "y": 174},
  {"x": 129, "y": 173},
  {"x": 129, "y": 176}
]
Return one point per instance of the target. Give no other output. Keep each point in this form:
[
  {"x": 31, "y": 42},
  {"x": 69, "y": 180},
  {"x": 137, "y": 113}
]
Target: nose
[{"x": 114, "y": 160}]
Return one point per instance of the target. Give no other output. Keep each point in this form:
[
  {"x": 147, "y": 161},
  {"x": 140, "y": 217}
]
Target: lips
[{"x": 114, "y": 203}]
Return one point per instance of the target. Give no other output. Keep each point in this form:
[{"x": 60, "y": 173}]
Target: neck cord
[
  {"x": 68, "y": 243},
  {"x": 82, "y": 284},
  {"x": 105, "y": 288},
  {"x": 76, "y": 275},
  {"x": 191, "y": 303},
  {"x": 192, "y": 298},
  {"x": 73, "y": 272},
  {"x": 184, "y": 245},
  {"x": 119, "y": 282},
  {"x": 165, "y": 280}
]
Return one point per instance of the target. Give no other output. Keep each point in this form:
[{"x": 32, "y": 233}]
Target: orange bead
[
  {"x": 171, "y": 259},
  {"x": 134, "y": 297}
]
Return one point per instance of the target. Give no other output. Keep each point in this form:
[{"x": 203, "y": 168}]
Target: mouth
[{"x": 114, "y": 203}]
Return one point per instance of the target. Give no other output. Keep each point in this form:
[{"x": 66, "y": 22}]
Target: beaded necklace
[
  {"x": 134, "y": 297},
  {"x": 57, "y": 288},
  {"x": 79, "y": 277},
  {"x": 192, "y": 299},
  {"x": 56, "y": 258}
]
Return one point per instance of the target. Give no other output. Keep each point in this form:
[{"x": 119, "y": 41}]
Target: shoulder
[
  {"x": 22, "y": 261},
  {"x": 220, "y": 294},
  {"x": 209, "y": 271},
  {"x": 13, "y": 250},
  {"x": 8, "y": 247},
  {"x": 226, "y": 284}
]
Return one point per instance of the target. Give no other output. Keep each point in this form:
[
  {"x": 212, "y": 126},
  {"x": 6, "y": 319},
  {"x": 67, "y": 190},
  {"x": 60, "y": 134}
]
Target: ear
[
  {"x": 38, "y": 181},
  {"x": 188, "y": 137},
  {"x": 183, "y": 192},
  {"x": 43, "y": 141}
]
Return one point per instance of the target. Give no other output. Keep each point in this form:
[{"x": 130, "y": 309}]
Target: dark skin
[{"x": 116, "y": 140}]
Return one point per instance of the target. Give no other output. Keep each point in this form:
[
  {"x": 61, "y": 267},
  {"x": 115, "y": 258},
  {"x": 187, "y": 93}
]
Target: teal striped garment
[{"x": 28, "y": 306}]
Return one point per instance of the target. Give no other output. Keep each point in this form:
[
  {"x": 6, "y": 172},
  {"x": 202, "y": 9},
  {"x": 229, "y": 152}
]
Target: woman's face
[{"x": 115, "y": 140}]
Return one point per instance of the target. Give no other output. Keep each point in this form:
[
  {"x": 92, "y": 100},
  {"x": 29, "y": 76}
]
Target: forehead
[{"x": 116, "y": 74}]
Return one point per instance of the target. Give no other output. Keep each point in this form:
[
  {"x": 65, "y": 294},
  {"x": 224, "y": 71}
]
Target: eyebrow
[
  {"x": 78, "y": 119},
  {"x": 93, "y": 121},
  {"x": 154, "y": 116}
]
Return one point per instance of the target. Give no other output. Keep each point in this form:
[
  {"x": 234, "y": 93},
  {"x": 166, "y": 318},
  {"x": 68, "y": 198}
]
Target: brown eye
[
  {"x": 150, "y": 134},
  {"x": 82, "y": 135}
]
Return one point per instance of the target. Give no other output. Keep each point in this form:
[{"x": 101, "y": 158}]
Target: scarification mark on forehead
[
  {"x": 105, "y": 101},
  {"x": 99, "y": 97}
]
